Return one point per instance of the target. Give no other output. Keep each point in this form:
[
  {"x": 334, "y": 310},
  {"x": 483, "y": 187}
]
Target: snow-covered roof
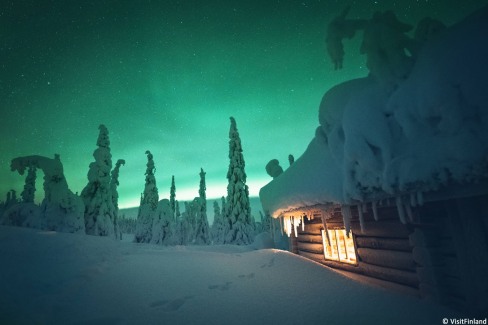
[{"x": 431, "y": 131}]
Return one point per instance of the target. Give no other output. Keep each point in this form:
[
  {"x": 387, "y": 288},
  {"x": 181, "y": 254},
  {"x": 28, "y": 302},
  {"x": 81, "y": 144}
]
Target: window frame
[{"x": 349, "y": 242}]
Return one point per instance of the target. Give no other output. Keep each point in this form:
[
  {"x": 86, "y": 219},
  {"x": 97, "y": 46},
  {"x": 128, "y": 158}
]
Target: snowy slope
[
  {"x": 58, "y": 278},
  {"x": 430, "y": 132}
]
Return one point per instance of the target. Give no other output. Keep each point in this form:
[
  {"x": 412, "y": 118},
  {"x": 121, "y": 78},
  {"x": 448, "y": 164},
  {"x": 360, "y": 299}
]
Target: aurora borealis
[{"x": 165, "y": 76}]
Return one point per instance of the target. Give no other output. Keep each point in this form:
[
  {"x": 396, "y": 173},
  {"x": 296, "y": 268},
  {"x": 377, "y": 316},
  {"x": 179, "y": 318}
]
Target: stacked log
[{"x": 383, "y": 249}]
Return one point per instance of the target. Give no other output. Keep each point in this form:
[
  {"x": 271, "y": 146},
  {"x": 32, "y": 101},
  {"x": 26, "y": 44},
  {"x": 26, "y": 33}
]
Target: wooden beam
[
  {"x": 311, "y": 228},
  {"x": 311, "y": 247},
  {"x": 434, "y": 256},
  {"x": 439, "y": 295},
  {"x": 387, "y": 258},
  {"x": 313, "y": 256},
  {"x": 388, "y": 229},
  {"x": 313, "y": 221},
  {"x": 393, "y": 275},
  {"x": 470, "y": 238},
  {"x": 430, "y": 238},
  {"x": 434, "y": 277},
  {"x": 309, "y": 238},
  {"x": 396, "y": 244}
]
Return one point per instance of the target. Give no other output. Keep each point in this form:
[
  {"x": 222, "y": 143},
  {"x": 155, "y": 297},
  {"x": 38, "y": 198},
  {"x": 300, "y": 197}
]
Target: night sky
[{"x": 165, "y": 76}]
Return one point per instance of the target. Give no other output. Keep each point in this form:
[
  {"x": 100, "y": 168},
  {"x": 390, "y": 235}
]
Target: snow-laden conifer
[
  {"x": 29, "y": 186},
  {"x": 202, "y": 229},
  {"x": 266, "y": 222},
  {"x": 97, "y": 195},
  {"x": 218, "y": 225},
  {"x": 177, "y": 209},
  {"x": 187, "y": 225},
  {"x": 172, "y": 197},
  {"x": 61, "y": 210},
  {"x": 178, "y": 226},
  {"x": 238, "y": 211},
  {"x": 163, "y": 224},
  {"x": 114, "y": 183},
  {"x": 149, "y": 204}
]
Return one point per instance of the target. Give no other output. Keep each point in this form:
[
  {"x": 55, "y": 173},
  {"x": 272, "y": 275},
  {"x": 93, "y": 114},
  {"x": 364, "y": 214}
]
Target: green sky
[{"x": 165, "y": 76}]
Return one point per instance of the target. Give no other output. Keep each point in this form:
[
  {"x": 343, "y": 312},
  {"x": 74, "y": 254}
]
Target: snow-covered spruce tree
[
  {"x": 11, "y": 197},
  {"x": 266, "y": 222},
  {"x": 26, "y": 213},
  {"x": 29, "y": 186},
  {"x": 202, "y": 229},
  {"x": 2, "y": 209},
  {"x": 126, "y": 225},
  {"x": 149, "y": 204},
  {"x": 238, "y": 211},
  {"x": 10, "y": 211},
  {"x": 114, "y": 183},
  {"x": 222, "y": 211},
  {"x": 193, "y": 215},
  {"x": 163, "y": 224},
  {"x": 218, "y": 225},
  {"x": 202, "y": 189},
  {"x": 253, "y": 224},
  {"x": 61, "y": 210},
  {"x": 186, "y": 225},
  {"x": 177, "y": 210},
  {"x": 178, "y": 226},
  {"x": 172, "y": 197},
  {"x": 226, "y": 222},
  {"x": 97, "y": 195}
]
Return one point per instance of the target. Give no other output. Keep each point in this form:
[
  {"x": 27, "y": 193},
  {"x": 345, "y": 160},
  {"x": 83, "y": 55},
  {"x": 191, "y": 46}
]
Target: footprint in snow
[
  {"x": 221, "y": 287},
  {"x": 269, "y": 264},
  {"x": 247, "y": 276},
  {"x": 100, "y": 321},
  {"x": 170, "y": 305}
]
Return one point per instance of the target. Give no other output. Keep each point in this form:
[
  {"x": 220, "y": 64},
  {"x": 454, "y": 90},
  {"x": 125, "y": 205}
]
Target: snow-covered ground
[{"x": 58, "y": 278}]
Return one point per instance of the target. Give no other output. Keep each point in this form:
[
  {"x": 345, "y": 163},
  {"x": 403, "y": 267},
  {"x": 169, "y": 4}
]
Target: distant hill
[{"x": 254, "y": 201}]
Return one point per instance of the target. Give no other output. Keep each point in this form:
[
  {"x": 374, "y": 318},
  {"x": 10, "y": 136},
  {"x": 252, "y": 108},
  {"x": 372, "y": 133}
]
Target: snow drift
[{"x": 58, "y": 278}]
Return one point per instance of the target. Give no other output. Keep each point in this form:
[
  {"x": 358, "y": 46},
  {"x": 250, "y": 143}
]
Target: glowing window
[{"x": 341, "y": 247}]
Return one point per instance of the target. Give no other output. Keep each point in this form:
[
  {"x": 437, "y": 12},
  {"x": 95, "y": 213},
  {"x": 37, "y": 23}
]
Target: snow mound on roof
[
  {"x": 308, "y": 181},
  {"x": 442, "y": 111},
  {"x": 431, "y": 131}
]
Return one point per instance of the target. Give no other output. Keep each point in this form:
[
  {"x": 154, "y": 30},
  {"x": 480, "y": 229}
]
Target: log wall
[
  {"x": 442, "y": 253},
  {"x": 383, "y": 248},
  {"x": 451, "y": 250}
]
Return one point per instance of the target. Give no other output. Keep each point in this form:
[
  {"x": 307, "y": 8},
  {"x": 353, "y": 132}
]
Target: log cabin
[
  {"x": 432, "y": 243},
  {"x": 395, "y": 187},
  {"x": 437, "y": 247}
]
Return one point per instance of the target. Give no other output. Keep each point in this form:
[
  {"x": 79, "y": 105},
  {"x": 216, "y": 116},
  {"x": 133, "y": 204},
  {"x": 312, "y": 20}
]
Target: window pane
[
  {"x": 341, "y": 247},
  {"x": 329, "y": 249}
]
